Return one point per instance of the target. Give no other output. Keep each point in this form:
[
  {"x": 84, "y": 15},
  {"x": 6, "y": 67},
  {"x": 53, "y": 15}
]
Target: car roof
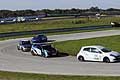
[
  {"x": 40, "y": 35},
  {"x": 94, "y": 46},
  {"x": 24, "y": 40},
  {"x": 41, "y": 44}
]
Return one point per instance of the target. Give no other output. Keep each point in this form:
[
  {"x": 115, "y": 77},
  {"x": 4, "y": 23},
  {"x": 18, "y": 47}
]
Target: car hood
[
  {"x": 39, "y": 39},
  {"x": 114, "y": 53},
  {"x": 27, "y": 45},
  {"x": 51, "y": 50}
]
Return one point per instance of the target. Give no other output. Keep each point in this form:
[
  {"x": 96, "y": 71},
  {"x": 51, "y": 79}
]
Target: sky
[{"x": 57, "y": 4}]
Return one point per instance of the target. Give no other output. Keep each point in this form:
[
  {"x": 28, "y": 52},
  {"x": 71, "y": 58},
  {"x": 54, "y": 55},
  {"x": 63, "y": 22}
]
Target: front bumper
[{"x": 26, "y": 49}]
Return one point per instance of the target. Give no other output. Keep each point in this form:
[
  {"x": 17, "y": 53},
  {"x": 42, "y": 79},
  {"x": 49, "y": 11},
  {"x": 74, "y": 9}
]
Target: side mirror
[{"x": 100, "y": 52}]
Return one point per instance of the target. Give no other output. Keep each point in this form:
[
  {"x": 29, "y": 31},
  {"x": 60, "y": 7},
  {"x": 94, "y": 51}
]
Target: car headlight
[{"x": 112, "y": 55}]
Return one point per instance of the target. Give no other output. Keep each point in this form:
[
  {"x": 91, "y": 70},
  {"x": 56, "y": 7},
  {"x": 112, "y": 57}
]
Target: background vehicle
[
  {"x": 44, "y": 50},
  {"x": 115, "y": 24},
  {"x": 97, "y": 53},
  {"x": 39, "y": 39},
  {"x": 24, "y": 45}
]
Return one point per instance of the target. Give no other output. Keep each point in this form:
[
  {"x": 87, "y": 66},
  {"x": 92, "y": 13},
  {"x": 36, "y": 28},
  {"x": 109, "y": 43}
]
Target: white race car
[
  {"x": 24, "y": 45},
  {"x": 97, "y": 53},
  {"x": 44, "y": 50}
]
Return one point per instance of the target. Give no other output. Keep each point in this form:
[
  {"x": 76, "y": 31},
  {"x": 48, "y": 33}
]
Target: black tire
[
  {"x": 106, "y": 60},
  {"x": 57, "y": 54},
  {"x": 81, "y": 58},
  {"x": 33, "y": 53},
  {"x": 23, "y": 50},
  {"x": 18, "y": 48}
]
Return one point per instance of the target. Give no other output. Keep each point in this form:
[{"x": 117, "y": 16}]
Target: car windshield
[
  {"x": 41, "y": 36},
  {"x": 106, "y": 50},
  {"x": 48, "y": 47},
  {"x": 25, "y": 42},
  {"x": 37, "y": 46}
]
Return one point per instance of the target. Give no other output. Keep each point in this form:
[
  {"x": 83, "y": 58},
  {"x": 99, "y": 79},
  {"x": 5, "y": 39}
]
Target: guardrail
[{"x": 11, "y": 34}]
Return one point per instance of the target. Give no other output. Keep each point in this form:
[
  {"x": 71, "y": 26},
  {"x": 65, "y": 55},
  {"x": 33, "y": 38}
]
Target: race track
[{"x": 13, "y": 60}]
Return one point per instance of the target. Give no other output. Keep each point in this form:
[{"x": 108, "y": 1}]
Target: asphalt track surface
[{"x": 16, "y": 61}]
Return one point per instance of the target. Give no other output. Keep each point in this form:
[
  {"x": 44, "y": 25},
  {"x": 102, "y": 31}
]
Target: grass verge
[
  {"x": 28, "y": 76},
  {"x": 73, "y": 47}
]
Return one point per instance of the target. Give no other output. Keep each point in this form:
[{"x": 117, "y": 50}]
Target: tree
[{"x": 94, "y": 9}]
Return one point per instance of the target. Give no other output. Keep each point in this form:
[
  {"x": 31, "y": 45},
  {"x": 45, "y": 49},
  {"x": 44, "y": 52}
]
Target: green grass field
[
  {"x": 73, "y": 47},
  {"x": 77, "y": 22},
  {"x": 27, "y": 76}
]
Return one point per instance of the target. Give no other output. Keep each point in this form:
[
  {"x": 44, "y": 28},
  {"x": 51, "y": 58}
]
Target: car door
[
  {"x": 86, "y": 53},
  {"x": 95, "y": 54},
  {"x": 38, "y": 50},
  {"x": 20, "y": 45}
]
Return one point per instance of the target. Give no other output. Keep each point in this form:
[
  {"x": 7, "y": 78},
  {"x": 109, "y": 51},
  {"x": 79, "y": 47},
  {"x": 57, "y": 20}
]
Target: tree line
[{"x": 59, "y": 12}]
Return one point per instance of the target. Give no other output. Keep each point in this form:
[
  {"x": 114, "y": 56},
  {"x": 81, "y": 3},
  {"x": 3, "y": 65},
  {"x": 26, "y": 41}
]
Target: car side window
[
  {"x": 39, "y": 47},
  {"x": 94, "y": 50},
  {"x": 86, "y": 49},
  {"x": 20, "y": 43}
]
